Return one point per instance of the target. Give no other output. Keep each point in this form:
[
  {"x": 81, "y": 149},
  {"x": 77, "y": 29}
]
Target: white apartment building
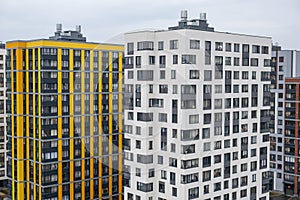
[
  {"x": 196, "y": 114},
  {"x": 2, "y": 117},
  {"x": 285, "y": 73}
]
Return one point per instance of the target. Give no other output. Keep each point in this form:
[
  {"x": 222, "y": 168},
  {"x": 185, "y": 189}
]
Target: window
[
  {"x": 218, "y": 145},
  {"x": 175, "y": 89},
  {"x": 130, "y": 74},
  {"x": 175, "y": 59},
  {"x": 194, "y": 44},
  {"x": 253, "y": 75},
  {"x": 194, "y": 74},
  {"x": 227, "y": 60},
  {"x": 173, "y": 147},
  {"x": 173, "y": 44},
  {"x": 138, "y": 172},
  {"x": 161, "y": 187},
  {"x": 160, "y": 160},
  {"x": 174, "y": 192},
  {"x": 194, "y": 119},
  {"x": 138, "y": 144},
  {"x": 236, "y": 61},
  {"x": 161, "y": 45},
  {"x": 144, "y": 75},
  {"x": 236, "y": 47},
  {"x": 245, "y": 75},
  {"x": 207, "y": 52},
  {"x": 207, "y": 119},
  {"x": 228, "y": 47},
  {"x": 173, "y": 74},
  {"x": 151, "y": 60},
  {"x": 172, "y": 162},
  {"x": 255, "y": 49},
  {"x": 163, "y": 174},
  {"x": 217, "y": 158},
  {"x": 188, "y": 59},
  {"x": 235, "y": 88},
  {"x": 236, "y": 75},
  {"x": 162, "y": 74},
  {"x": 162, "y": 61},
  {"x": 145, "y": 45},
  {"x": 254, "y": 62},
  {"x": 206, "y": 176},
  {"x": 193, "y": 193},
  {"x": 244, "y": 88},
  {"x": 130, "y": 48},
  {"x": 206, "y": 146},
  {"x": 138, "y": 61},
  {"x": 264, "y": 49},
  {"x": 163, "y": 89},
  {"x": 207, "y": 75},
  {"x": 218, "y": 89},
  {"x": 206, "y": 161},
  {"x": 205, "y": 133},
  {"x": 219, "y": 46}
]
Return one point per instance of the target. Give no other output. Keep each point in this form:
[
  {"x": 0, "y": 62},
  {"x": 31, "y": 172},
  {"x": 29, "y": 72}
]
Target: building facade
[
  {"x": 196, "y": 114},
  {"x": 3, "y": 177},
  {"x": 284, "y": 161},
  {"x": 65, "y": 118}
]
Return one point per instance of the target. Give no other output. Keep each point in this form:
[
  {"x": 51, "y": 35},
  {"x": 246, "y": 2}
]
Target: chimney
[
  {"x": 184, "y": 15},
  {"x": 58, "y": 27},
  {"x": 203, "y": 16}
]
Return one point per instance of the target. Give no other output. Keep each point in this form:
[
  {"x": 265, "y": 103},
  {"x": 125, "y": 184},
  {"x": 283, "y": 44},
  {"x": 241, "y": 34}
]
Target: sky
[{"x": 104, "y": 20}]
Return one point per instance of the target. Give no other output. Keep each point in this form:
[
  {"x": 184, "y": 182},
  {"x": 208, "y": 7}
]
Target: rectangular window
[
  {"x": 219, "y": 46},
  {"x": 161, "y": 45},
  {"x": 175, "y": 59},
  {"x": 130, "y": 48},
  {"x": 254, "y": 62},
  {"x": 194, "y": 74},
  {"x": 151, "y": 60},
  {"x": 228, "y": 47},
  {"x": 264, "y": 49},
  {"x": 162, "y": 61},
  {"x": 236, "y": 61},
  {"x": 188, "y": 59},
  {"x": 138, "y": 61},
  {"x": 236, "y": 47},
  {"x": 255, "y": 49},
  {"x": 173, "y": 74},
  {"x": 173, "y": 44},
  {"x": 207, "y": 75},
  {"x": 145, "y": 45},
  {"x": 207, "y": 52},
  {"x": 194, "y": 44}
]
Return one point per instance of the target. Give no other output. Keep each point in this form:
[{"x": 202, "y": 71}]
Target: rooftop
[{"x": 68, "y": 35}]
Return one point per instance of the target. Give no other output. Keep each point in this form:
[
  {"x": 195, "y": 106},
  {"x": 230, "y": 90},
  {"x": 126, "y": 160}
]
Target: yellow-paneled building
[{"x": 64, "y": 118}]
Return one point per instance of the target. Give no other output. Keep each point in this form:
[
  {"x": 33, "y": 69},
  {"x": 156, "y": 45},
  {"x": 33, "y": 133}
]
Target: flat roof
[
  {"x": 229, "y": 33},
  {"x": 79, "y": 42},
  {"x": 63, "y": 44}
]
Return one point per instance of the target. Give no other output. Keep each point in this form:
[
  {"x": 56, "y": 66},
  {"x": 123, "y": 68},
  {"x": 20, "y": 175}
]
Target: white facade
[
  {"x": 218, "y": 147},
  {"x": 2, "y": 115}
]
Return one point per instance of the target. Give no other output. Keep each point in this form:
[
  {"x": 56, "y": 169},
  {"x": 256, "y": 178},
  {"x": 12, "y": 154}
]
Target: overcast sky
[{"x": 102, "y": 20}]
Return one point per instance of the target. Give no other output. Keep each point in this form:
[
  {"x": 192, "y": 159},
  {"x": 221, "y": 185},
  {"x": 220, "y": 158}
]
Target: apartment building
[
  {"x": 196, "y": 114},
  {"x": 284, "y": 161},
  {"x": 64, "y": 118},
  {"x": 3, "y": 177}
]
